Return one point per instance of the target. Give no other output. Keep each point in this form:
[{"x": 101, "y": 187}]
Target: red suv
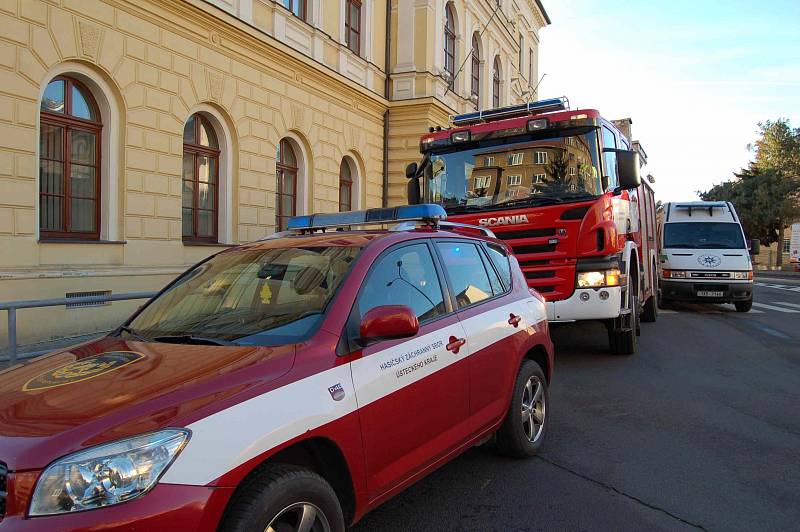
[{"x": 289, "y": 384}]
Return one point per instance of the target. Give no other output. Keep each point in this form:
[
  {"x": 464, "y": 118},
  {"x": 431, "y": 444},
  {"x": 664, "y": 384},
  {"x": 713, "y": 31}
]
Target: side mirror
[
  {"x": 628, "y": 169},
  {"x": 388, "y": 322},
  {"x": 755, "y": 246},
  {"x": 411, "y": 170},
  {"x": 413, "y": 191}
]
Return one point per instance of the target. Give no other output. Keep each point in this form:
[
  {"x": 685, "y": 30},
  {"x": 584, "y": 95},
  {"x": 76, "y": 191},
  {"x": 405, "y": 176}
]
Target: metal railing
[{"x": 12, "y": 306}]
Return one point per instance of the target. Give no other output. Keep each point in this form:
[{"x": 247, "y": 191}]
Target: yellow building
[{"x": 138, "y": 137}]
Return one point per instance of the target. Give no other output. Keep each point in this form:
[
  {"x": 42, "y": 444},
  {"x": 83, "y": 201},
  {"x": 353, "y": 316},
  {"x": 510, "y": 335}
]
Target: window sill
[
  {"x": 207, "y": 244},
  {"x": 79, "y": 241}
]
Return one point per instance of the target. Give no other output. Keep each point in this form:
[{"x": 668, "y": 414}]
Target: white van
[{"x": 704, "y": 255}]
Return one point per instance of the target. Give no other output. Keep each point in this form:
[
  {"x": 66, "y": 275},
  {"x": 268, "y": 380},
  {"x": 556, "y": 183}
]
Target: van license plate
[{"x": 709, "y": 293}]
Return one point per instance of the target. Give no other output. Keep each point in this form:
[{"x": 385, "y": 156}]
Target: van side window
[
  {"x": 468, "y": 276},
  {"x": 610, "y": 158},
  {"x": 405, "y": 276}
]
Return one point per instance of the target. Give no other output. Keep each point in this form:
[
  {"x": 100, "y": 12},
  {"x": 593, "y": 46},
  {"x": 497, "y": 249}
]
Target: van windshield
[{"x": 703, "y": 235}]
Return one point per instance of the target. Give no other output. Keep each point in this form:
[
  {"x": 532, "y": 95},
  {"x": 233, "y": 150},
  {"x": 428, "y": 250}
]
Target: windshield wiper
[
  {"x": 133, "y": 332},
  {"x": 191, "y": 339}
]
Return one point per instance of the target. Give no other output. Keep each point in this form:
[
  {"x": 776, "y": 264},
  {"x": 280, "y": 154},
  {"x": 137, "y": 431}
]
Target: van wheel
[
  {"x": 284, "y": 497},
  {"x": 522, "y": 433},
  {"x": 744, "y": 306}
]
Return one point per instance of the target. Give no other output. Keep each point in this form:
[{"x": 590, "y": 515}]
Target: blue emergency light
[
  {"x": 426, "y": 212},
  {"x": 542, "y": 106}
]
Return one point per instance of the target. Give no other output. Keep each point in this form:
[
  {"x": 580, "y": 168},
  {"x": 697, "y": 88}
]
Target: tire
[
  {"x": 279, "y": 496},
  {"x": 516, "y": 437},
  {"x": 650, "y": 311},
  {"x": 625, "y": 342},
  {"x": 744, "y": 306}
]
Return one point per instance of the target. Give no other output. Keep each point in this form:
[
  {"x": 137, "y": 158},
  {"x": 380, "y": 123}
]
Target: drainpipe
[{"x": 387, "y": 55}]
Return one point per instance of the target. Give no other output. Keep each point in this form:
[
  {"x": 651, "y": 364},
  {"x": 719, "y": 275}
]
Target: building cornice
[{"x": 213, "y": 27}]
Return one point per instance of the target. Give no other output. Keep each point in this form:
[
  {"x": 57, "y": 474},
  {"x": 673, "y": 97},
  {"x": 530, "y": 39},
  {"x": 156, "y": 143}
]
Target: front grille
[
  {"x": 526, "y": 233},
  {"x": 3, "y": 489},
  {"x": 710, "y": 275},
  {"x": 534, "y": 248},
  {"x": 533, "y": 262},
  {"x": 544, "y": 274},
  {"x": 545, "y": 289}
]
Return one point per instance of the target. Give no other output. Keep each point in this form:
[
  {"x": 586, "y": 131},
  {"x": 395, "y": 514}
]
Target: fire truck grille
[
  {"x": 543, "y": 274},
  {"x": 534, "y": 248},
  {"x": 545, "y": 289},
  {"x": 3, "y": 489},
  {"x": 526, "y": 233},
  {"x": 533, "y": 262}
]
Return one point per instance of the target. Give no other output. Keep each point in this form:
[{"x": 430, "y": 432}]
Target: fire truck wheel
[
  {"x": 284, "y": 497},
  {"x": 624, "y": 342},
  {"x": 744, "y": 306},
  {"x": 522, "y": 433},
  {"x": 650, "y": 312}
]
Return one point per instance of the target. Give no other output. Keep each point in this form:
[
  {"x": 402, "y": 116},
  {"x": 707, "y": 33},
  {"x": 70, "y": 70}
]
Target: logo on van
[{"x": 709, "y": 261}]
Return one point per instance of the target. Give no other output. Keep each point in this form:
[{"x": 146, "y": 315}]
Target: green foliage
[{"x": 767, "y": 193}]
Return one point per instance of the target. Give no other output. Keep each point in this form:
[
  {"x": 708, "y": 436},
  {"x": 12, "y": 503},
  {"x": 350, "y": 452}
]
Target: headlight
[
  {"x": 601, "y": 278},
  {"x": 107, "y": 474},
  {"x": 674, "y": 274},
  {"x": 743, "y": 275}
]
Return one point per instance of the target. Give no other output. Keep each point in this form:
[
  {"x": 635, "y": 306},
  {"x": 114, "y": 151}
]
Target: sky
[{"x": 696, "y": 77}]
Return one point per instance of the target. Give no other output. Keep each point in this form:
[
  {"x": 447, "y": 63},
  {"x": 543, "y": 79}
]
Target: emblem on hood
[
  {"x": 336, "y": 391},
  {"x": 709, "y": 261},
  {"x": 82, "y": 370}
]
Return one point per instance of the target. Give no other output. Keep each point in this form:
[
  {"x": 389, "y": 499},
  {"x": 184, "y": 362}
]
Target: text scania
[{"x": 504, "y": 220}]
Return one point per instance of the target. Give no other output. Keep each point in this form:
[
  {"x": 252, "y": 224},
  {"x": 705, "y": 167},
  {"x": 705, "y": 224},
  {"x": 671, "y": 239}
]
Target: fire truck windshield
[{"x": 497, "y": 173}]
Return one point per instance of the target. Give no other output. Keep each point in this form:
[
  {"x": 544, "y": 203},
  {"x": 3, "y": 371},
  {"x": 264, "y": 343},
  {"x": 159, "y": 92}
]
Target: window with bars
[
  {"x": 476, "y": 69},
  {"x": 200, "y": 186},
  {"x": 352, "y": 25},
  {"x": 515, "y": 159},
  {"x": 514, "y": 180},
  {"x": 540, "y": 157},
  {"x": 450, "y": 44},
  {"x": 69, "y": 161},
  {"x": 286, "y": 195},
  {"x": 483, "y": 181},
  {"x": 345, "y": 187}
]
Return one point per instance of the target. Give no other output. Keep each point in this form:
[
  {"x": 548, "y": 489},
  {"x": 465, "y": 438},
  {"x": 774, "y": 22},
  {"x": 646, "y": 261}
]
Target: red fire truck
[{"x": 562, "y": 188}]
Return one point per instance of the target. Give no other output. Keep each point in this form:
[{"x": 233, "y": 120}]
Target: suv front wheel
[
  {"x": 522, "y": 432},
  {"x": 284, "y": 497}
]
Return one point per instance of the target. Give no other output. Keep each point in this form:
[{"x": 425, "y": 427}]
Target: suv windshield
[
  {"x": 703, "y": 235},
  {"x": 250, "y": 297},
  {"x": 496, "y": 173}
]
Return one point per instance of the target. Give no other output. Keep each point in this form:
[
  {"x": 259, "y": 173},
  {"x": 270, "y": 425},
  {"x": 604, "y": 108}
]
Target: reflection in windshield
[
  {"x": 252, "y": 297},
  {"x": 703, "y": 235},
  {"x": 497, "y": 173}
]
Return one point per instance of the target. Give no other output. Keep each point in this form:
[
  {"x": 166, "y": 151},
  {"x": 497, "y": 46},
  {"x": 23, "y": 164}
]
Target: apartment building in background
[{"x": 137, "y": 137}]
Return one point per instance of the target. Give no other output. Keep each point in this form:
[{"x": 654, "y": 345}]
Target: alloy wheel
[
  {"x": 299, "y": 517},
  {"x": 533, "y": 408}
]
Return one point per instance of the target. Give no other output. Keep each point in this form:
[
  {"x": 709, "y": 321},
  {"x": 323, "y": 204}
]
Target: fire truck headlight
[
  {"x": 599, "y": 278},
  {"x": 107, "y": 474}
]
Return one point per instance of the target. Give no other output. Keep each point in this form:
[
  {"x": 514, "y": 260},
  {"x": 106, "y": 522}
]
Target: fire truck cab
[{"x": 563, "y": 189}]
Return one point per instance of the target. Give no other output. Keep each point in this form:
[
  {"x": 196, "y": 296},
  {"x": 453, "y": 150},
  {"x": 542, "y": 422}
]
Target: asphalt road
[{"x": 700, "y": 429}]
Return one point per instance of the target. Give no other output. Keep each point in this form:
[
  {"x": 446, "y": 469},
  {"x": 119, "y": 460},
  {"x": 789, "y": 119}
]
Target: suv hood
[{"x": 111, "y": 388}]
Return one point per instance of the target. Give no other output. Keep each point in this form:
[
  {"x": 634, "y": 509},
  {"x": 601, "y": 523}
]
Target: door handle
[
  {"x": 455, "y": 344},
  {"x": 514, "y": 320}
]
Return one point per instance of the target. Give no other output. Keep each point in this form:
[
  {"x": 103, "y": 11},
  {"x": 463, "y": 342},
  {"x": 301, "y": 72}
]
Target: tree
[{"x": 767, "y": 193}]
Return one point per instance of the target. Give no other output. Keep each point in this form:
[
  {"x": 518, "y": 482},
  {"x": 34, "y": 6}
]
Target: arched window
[
  {"x": 200, "y": 180},
  {"x": 286, "y": 195},
  {"x": 69, "y": 161},
  {"x": 450, "y": 44},
  {"x": 476, "y": 69},
  {"x": 496, "y": 83},
  {"x": 345, "y": 187}
]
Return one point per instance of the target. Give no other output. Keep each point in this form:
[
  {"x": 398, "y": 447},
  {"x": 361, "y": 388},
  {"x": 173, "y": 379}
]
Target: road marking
[
  {"x": 779, "y": 286},
  {"x": 778, "y": 279},
  {"x": 795, "y": 305},
  {"x": 772, "y": 307}
]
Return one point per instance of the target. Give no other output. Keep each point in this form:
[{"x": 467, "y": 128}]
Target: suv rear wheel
[
  {"x": 522, "y": 433},
  {"x": 284, "y": 497}
]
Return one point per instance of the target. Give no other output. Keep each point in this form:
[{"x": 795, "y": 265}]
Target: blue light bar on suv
[
  {"x": 542, "y": 106},
  {"x": 427, "y": 212}
]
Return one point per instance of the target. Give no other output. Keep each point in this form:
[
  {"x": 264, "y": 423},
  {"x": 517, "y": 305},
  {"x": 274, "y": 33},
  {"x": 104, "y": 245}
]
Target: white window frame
[
  {"x": 573, "y": 170},
  {"x": 488, "y": 161},
  {"x": 514, "y": 180},
  {"x": 483, "y": 181},
  {"x": 539, "y": 178},
  {"x": 515, "y": 159},
  {"x": 541, "y": 157}
]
